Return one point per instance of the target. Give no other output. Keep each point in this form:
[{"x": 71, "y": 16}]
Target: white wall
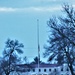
[{"x": 52, "y": 72}]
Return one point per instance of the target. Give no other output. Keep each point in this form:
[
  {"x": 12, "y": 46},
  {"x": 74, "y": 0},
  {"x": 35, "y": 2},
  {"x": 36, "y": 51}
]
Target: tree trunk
[
  {"x": 71, "y": 70},
  {"x": 70, "y": 62},
  {"x": 7, "y": 74}
]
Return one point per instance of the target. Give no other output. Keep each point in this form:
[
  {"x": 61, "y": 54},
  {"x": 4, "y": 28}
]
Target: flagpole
[{"x": 38, "y": 43}]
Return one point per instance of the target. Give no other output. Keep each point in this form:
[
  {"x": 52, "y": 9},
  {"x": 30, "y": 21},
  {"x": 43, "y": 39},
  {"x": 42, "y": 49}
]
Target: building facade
[{"x": 43, "y": 69}]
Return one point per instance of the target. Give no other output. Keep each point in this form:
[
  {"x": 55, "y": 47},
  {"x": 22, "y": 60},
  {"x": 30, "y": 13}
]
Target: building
[{"x": 44, "y": 69}]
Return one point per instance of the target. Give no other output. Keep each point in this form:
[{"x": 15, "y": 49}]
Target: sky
[{"x": 18, "y": 20}]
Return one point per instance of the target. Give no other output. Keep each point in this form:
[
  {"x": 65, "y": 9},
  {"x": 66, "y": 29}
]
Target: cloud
[
  {"x": 73, "y": 5},
  {"x": 46, "y": 9},
  {"x": 51, "y": 0},
  {"x": 30, "y": 9},
  {"x": 5, "y": 9},
  {"x": 46, "y": 0}
]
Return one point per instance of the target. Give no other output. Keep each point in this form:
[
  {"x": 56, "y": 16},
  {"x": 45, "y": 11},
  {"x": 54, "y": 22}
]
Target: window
[
  {"x": 24, "y": 70},
  {"x": 61, "y": 69},
  {"x": 39, "y": 70},
  {"x": 33, "y": 70},
  {"x": 44, "y": 70},
  {"x": 28, "y": 70},
  {"x": 67, "y": 69},
  {"x": 49, "y": 69},
  {"x": 54, "y": 70}
]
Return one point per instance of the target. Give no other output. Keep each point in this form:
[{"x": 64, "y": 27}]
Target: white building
[{"x": 44, "y": 69}]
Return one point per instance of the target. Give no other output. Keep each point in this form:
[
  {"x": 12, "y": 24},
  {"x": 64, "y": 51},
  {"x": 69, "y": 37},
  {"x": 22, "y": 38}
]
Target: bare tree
[{"x": 62, "y": 38}]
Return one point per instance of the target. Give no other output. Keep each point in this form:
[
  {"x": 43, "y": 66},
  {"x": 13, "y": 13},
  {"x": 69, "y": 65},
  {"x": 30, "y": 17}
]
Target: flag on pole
[
  {"x": 38, "y": 44},
  {"x": 38, "y": 52}
]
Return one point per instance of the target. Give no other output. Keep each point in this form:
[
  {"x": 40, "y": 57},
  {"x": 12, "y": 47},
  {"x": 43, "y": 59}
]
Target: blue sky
[{"x": 18, "y": 20}]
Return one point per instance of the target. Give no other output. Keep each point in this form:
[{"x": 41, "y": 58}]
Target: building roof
[{"x": 36, "y": 65}]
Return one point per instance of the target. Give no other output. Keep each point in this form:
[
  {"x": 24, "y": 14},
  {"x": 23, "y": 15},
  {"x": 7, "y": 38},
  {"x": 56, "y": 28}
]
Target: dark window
[
  {"x": 49, "y": 69},
  {"x": 33, "y": 70},
  {"x": 28, "y": 70},
  {"x": 67, "y": 69},
  {"x": 24, "y": 70},
  {"x": 44, "y": 70},
  {"x": 61, "y": 69},
  {"x": 39, "y": 70},
  {"x": 55, "y": 70}
]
